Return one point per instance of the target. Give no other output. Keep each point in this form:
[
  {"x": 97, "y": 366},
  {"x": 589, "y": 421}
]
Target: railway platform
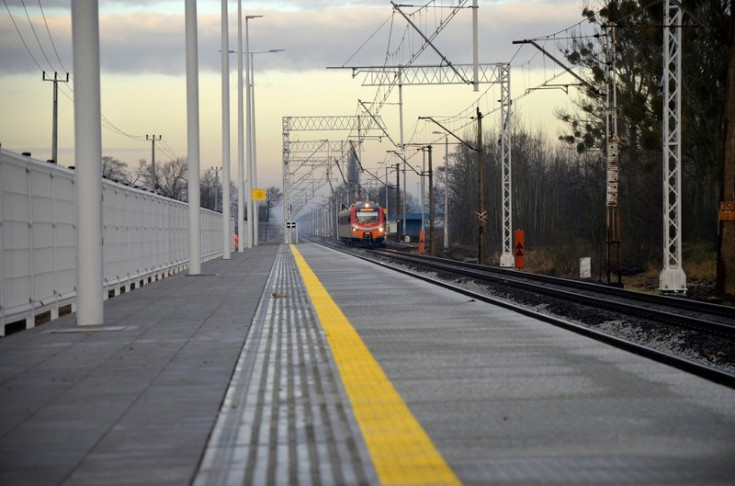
[{"x": 302, "y": 365}]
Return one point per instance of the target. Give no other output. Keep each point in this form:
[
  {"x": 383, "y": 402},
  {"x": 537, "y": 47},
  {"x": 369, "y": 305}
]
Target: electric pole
[
  {"x": 726, "y": 250},
  {"x": 612, "y": 205},
  {"x": 432, "y": 240},
  {"x": 153, "y": 139},
  {"x": 481, "y": 213},
  {"x": 398, "y": 201},
  {"x": 54, "y": 129}
]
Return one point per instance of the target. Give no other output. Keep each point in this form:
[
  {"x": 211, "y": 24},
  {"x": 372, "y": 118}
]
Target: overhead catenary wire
[
  {"x": 366, "y": 41},
  {"x": 465, "y": 113},
  {"x": 395, "y": 57}
]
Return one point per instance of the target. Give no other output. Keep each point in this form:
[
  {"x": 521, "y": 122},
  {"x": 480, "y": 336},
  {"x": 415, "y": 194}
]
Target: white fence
[{"x": 145, "y": 238}]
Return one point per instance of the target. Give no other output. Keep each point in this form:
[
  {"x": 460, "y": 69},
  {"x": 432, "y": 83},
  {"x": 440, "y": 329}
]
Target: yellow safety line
[{"x": 401, "y": 450}]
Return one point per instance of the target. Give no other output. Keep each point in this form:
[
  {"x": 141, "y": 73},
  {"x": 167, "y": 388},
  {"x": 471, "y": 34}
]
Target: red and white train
[{"x": 363, "y": 223}]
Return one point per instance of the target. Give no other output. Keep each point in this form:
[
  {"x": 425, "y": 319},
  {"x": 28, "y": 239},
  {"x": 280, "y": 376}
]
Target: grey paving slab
[
  {"x": 133, "y": 406},
  {"x": 509, "y": 400}
]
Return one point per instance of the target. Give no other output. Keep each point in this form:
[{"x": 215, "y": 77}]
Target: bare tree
[
  {"x": 210, "y": 188},
  {"x": 273, "y": 198},
  {"x": 169, "y": 178},
  {"x": 115, "y": 170}
]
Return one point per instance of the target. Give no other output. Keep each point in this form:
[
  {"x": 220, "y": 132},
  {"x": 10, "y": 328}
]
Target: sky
[{"x": 143, "y": 81}]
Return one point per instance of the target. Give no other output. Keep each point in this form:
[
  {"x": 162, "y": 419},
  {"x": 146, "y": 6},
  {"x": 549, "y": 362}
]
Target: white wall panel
[{"x": 145, "y": 236}]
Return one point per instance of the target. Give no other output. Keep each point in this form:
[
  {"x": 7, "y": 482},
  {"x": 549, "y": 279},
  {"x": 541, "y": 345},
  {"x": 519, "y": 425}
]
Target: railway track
[
  {"x": 686, "y": 313},
  {"x": 691, "y": 335}
]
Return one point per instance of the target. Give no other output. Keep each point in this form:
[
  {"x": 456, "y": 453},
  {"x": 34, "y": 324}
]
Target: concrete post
[
  {"x": 240, "y": 139},
  {"x": 226, "y": 235},
  {"x": 88, "y": 161},
  {"x": 192, "y": 134}
]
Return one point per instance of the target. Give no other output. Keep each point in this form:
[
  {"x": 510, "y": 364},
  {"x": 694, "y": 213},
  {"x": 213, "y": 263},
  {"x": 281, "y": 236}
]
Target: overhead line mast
[
  {"x": 612, "y": 213},
  {"x": 672, "y": 278}
]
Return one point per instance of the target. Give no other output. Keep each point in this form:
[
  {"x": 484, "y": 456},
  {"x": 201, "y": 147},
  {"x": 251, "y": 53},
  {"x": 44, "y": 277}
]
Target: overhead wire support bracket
[
  {"x": 563, "y": 87},
  {"x": 563, "y": 66},
  {"x": 473, "y": 148},
  {"x": 377, "y": 122},
  {"x": 404, "y": 160}
]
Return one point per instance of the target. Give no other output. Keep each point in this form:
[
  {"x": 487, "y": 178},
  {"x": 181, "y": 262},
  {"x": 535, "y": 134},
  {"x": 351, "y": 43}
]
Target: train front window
[{"x": 367, "y": 216}]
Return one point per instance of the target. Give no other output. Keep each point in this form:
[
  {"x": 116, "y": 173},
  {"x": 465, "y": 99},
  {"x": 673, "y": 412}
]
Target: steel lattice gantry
[
  {"x": 672, "y": 278},
  {"x": 326, "y": 123}
]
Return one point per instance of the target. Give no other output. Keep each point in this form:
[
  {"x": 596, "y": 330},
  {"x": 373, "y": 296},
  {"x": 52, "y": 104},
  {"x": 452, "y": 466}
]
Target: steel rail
[{"x": 597, "y": 295}]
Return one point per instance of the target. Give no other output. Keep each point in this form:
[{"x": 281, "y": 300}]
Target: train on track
[{"x": 363, "y": 223}]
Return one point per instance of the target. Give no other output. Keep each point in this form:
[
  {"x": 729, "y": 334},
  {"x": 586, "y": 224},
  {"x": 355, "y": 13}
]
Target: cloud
[{"x": 314, "y": 34}]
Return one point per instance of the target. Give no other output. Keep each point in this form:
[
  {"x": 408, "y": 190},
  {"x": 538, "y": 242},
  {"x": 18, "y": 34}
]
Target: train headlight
[{"x": 381, "y": 229}]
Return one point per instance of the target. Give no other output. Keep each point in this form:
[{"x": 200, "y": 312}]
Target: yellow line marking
[{"x": 401, "y": 450}]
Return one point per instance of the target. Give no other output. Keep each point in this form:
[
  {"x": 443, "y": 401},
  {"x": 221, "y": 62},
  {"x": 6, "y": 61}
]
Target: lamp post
[
  {"x": 226, "y": 234},
  {"x": 240, "y": 141},
  {"x": 252, "y": 143}
]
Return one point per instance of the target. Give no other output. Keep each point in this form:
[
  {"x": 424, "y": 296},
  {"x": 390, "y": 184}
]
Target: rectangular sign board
[{"x": 258, "y": 194}]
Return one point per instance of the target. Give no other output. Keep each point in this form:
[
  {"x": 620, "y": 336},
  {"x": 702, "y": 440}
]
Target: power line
[
  {"x": 168, "y": 150},
  {"x": 35, "y": 34},
  {"x": 21, "y": 37},
  {"x": 66, "y": 90},
  {"x": 48, "y": 31}
]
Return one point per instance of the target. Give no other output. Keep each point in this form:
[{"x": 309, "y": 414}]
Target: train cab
[{"x": 363, "y": 223}]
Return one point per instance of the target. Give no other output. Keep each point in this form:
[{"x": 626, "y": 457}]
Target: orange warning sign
[{"x": 519, "y": 248}]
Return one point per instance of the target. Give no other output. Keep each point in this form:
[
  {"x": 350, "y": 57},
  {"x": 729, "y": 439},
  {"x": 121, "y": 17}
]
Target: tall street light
[
  {"x": 251, "y": 134},
  {"x": 226, "y": 232},
  {"x": 249, "y": 123},
  {"x": 240, "y": 141}
]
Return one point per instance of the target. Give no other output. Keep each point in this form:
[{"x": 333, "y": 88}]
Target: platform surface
[
  {"x": 511, "y": 400},
  {"x": 231, "y": 378}
]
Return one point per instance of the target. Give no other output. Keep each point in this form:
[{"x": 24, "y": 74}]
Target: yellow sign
[
  {"x": 257, "y": 194},
  {"x": 727, "y": 211}
]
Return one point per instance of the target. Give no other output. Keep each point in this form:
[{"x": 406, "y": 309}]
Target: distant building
[{"x": 413, "y": 223}]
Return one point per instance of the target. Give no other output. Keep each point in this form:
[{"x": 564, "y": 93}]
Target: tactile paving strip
[{"x": 285, "y": 418}]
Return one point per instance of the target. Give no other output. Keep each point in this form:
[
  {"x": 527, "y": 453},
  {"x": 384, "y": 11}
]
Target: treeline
[
  {"x": 557, "y": 195},
  {"x": 559, "y": 188},
  {"x": 170, "y": 179}
]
